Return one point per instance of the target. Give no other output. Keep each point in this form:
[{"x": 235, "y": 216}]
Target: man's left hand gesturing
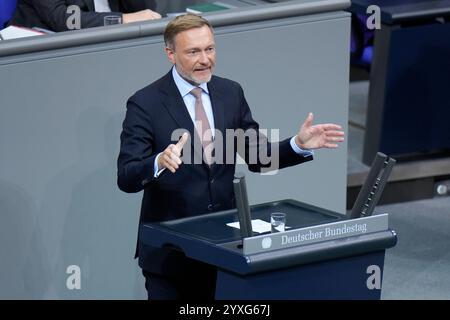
[{"x": 318, "y": 136}]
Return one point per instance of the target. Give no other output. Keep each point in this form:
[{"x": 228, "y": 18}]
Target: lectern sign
[{"x": 313, "y": 234}]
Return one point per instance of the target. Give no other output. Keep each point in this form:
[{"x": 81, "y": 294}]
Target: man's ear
[{"x": 170, "y": 54}]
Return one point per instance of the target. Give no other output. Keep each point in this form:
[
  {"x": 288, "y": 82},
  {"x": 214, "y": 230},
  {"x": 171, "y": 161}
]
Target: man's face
[{"x": 194, "y": 54}]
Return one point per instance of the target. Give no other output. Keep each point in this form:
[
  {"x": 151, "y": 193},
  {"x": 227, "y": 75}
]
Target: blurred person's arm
[
  {"x": 143, "y": 15},
  {"x": 130, "y": 6},
  {"x": 138, "y": 10},
  {"x": 54, "y": 13}
]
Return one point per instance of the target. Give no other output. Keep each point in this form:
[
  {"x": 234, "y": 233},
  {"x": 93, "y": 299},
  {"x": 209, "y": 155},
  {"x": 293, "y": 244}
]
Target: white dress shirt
[{"x": 102, "y": 6}]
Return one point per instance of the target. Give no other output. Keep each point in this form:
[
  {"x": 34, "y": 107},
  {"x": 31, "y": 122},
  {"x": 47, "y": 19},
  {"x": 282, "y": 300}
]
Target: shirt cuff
[
  {"x": 155, "y": 167},
  {"x": 300, "y": 151}
]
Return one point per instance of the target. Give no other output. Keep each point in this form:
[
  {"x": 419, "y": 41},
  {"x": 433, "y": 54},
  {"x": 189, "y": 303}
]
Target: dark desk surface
[
  {"x": 215, "y": 229},
  {"x": 396, "y": 11}
]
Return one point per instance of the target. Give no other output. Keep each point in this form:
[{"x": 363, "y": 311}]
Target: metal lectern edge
[
  {"x": 321, "y": 251},
  {"x": 236, "y": 262}
]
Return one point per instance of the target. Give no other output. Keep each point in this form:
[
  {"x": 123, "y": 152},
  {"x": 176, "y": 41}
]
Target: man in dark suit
[
  {"x": 176, "y": 185},
  {"x": 52, "y": 14}
]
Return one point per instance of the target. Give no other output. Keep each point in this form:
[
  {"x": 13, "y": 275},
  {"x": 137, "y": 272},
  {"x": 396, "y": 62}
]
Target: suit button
[{"x": 210, "y": 207}]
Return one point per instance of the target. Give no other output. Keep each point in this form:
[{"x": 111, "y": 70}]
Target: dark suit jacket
[
  {"x": 153, "y": 113},
  {"x": 52, "y": 14}
]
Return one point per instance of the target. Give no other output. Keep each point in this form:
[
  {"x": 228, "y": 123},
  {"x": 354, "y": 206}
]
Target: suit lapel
[
  {"x": 174, "y": 104},
  {"x": 90, "y": 5},
  {"x": 114, "y": 5},
  {"x": 218, "y": 107}
]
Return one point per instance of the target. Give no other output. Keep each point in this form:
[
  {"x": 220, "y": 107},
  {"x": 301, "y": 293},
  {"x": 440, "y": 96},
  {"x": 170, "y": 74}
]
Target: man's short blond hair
[{"x": 183, "y": 23}]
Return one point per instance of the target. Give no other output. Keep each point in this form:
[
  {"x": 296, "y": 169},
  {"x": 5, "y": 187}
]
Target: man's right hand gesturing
[{"x": 170, "y": 157}]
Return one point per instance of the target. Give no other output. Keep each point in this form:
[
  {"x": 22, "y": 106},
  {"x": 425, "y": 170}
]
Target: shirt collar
[{"x": 185, "y": 87}]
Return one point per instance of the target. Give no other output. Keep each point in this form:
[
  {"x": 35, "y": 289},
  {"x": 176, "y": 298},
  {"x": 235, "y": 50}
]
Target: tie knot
[{"x": 197, "y": 92}]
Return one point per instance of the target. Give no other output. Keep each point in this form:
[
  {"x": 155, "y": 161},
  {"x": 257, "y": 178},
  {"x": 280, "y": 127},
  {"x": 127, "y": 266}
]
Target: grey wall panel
[
  {"x": 286, "y": 72},
  {"x": 60, "y": 120},
  {"x": 60, "y": 127}
]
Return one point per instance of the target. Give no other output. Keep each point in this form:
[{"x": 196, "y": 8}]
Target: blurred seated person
[{"x": 52, "y": 14}]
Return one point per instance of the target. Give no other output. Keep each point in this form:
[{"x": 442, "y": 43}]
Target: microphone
[{"x": 243, "y": 208}]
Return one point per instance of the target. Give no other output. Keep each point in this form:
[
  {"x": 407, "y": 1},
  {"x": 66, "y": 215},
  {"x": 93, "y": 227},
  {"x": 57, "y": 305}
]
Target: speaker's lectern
[{"x": 321, "y": 255}]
